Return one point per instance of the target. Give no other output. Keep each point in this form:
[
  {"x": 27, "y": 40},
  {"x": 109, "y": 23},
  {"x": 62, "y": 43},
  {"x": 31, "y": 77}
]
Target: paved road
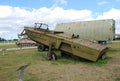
[{"x": 9, "y": 49}]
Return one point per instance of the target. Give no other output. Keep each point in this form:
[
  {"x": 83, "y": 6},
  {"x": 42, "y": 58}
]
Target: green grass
[
  {"x": 114, "y": 49},
  {"x": 8, "y": 46},
  {"x": 117, "y": 79},
  {"x": 100, "y": 62},
  {"x": 77, "y": 60},
  {"x": 14, "y": 59},
  {"x": 30, "y": 77}
]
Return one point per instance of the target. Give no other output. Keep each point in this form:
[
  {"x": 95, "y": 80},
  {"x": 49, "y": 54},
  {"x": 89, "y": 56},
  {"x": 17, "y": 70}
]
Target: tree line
[{"x": 2, "y": 39}]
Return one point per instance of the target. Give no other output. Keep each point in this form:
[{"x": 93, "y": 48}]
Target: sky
[{"x": 15, "y": 14}]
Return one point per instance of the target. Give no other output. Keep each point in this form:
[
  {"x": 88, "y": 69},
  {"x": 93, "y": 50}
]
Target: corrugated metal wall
[{"x": 99, "y": 30}]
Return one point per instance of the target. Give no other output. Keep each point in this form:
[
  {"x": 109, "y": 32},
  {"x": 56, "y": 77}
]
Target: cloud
[
  {"x": 103, "y": 3},
  {"x": 5, "y": 11},
  {"x": 63, "y": 2},
  {"x": 13, "y": 19},
  {"x": 112, "y": 14},
  {"x": 59, "y": 2}
]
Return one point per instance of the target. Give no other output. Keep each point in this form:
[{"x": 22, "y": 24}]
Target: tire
[
  {"x": 41, "y": 47},
  {"x": 51, "y": 56}
]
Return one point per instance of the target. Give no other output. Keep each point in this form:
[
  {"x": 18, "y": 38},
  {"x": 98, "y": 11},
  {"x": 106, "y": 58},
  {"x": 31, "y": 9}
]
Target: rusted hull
[{"x": 78, "y": 47}]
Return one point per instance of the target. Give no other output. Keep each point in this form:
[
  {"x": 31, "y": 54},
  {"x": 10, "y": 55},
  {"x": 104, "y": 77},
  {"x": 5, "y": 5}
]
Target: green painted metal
[
  {"x": 96, "y": 30},
  {"x": 64, "y": 42}
]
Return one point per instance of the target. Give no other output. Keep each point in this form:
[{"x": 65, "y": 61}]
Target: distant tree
[
  {"x": 15, "y": 39},
  {"x": 2, "y": 39}
]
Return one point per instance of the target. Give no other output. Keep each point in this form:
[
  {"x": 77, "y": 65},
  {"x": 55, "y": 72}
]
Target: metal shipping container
[{"x": 96, "y": 30}]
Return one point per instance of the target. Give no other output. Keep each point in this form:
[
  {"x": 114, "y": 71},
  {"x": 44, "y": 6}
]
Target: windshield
[{"x": 41, "y": 26}]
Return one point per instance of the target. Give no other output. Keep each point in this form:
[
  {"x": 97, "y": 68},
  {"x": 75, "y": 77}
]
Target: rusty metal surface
[
  {"x": 86, "y": 43},
  {"x": 64, "y": 35}
]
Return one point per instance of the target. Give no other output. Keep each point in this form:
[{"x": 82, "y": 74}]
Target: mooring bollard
[{"x": 22, "y": 68}]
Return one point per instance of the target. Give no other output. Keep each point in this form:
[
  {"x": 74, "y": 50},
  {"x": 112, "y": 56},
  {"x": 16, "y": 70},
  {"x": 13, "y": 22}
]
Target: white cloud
[
  {"x": 4, "y": 32},
  {"x": 5, "y": 11},
  {"x": 12, "y": 19},
  {"x": 59, "y": 2},
  {"x": 112, "y": 14},
  {"x": 103, "y": 2},
  {"x": 63, "y": 2}
]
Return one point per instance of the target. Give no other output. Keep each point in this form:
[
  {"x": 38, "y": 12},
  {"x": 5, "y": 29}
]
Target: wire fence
[{"x": 7, "y": 42}]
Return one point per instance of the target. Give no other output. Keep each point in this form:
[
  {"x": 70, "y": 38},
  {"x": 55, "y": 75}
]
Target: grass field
[
  {"x": 64, "y": 69},
  {"x": 8, "y": 46}
]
